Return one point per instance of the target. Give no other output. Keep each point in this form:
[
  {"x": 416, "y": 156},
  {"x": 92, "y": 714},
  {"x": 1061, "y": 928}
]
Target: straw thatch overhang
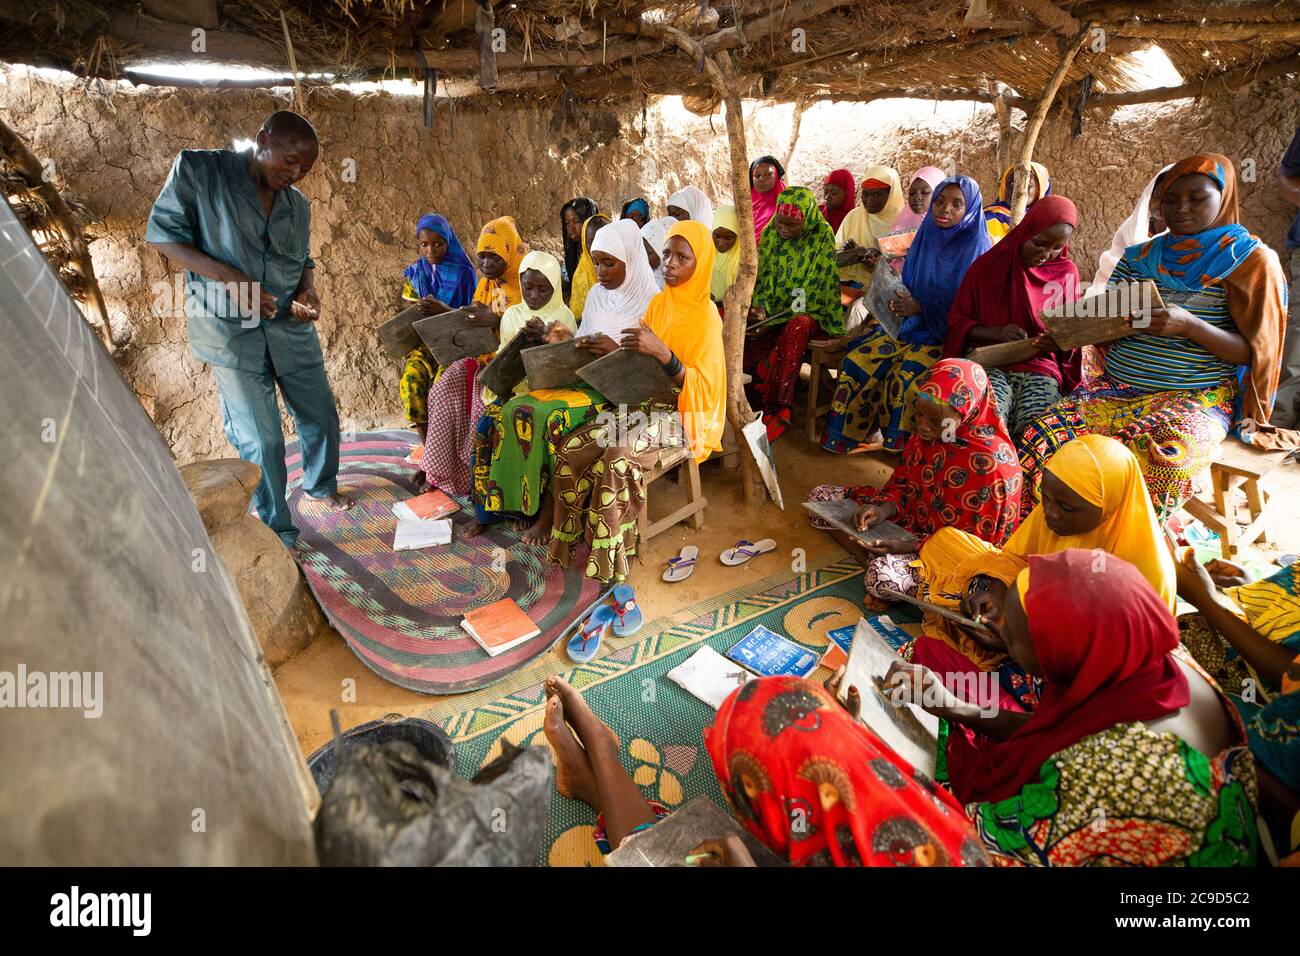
[{"x": 610, "y": 49}]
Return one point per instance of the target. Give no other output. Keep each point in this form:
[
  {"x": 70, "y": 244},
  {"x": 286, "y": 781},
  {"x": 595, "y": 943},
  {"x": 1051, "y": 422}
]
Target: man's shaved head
[{"x": 286, "y": 124}]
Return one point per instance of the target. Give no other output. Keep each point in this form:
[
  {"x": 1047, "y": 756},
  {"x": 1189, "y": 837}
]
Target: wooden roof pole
[
  {"x": 1020, "y": 197},
  {"x": 736, "y": 305}
]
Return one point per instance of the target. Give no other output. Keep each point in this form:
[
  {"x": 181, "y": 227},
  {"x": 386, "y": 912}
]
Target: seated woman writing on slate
[
  {"x": 1093, "y": 498},
  {"x": 443, "y": 277},
  {"x": 1133, "y": 756},
  {"x": 959, "y": 471},
  {"x": 813, "y": 784},
  {"x": 877, "y": 381},
  {"x": 455, "y": 404},
  {"x": 797, "y": 294},
  {"x": 1194, "y": 369},
  {"x": 600, "y": 478},
  {"x": 1000, "y": 300}
]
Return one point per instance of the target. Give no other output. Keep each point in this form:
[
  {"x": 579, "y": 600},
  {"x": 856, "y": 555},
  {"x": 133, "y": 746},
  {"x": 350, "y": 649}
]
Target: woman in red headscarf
[
  {"x": 1133, "y": 756},
  {"x": 838, "y": 190},
  {"x": 959, "y": 470},
  {"x": 1000, "y": 301}
]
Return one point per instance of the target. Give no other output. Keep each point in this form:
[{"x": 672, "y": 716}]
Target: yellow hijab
[
  {"x": 686, "y": 320},
  {"x": 864, "y": 227},
  {"x": 584, "y": 276},
  {"x": 1102, "y": 472},
  {"x": 517, "y": 316},
  {"x": 502, "y": 237},
  {"x": 725, "y": 264}
]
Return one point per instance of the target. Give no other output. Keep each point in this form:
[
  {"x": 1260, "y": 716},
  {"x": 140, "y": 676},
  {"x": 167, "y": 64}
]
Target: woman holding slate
[
  {"x": 600, "y": 485},
  {"x": 1195, "y": 369},
  {"x": 959, "y": 471},
  {"x": 877, "y": 382}
]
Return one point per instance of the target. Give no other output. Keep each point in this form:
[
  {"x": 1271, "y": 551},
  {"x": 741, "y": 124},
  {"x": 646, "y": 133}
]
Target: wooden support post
[
  {"x": 1020, "y": 198},
  {"x": 795, "y": 119},
  {"x": 484, "y": 21},
  {"x": 1003, "y": 112}
]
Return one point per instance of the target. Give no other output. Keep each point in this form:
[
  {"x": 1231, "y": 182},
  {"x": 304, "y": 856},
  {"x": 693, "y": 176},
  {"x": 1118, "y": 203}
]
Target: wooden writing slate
[
  {"x": 1102, "y": 316},
  {"x": 944, "y": 612},
  {"x": 506, "y": 370},
  {"x": 451, "y": 336},
  {"x": 625, "y": 377},
  {"x": 998, "y": 354},
  {"x": 669, "y": 841},
  {"x": 398, "y": 334},
  {"x": 556, "y": 364},
  {"x": 884, "y": 287},
  {"x": 840, "y": 514}
]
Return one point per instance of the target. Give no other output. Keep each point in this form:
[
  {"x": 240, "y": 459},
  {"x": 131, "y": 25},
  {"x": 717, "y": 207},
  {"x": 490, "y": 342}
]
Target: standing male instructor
[{"x": 240, "y": 229}]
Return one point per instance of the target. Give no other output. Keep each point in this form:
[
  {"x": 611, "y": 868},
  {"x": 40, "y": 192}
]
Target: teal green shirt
[{"x": 209, "y": 201}]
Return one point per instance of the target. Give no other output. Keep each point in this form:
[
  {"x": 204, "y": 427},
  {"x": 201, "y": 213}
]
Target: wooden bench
[
  {"x": 669, "y": 460},
  {"x": 1237, "y": 465},
  {"x": 823, "y": 358}
]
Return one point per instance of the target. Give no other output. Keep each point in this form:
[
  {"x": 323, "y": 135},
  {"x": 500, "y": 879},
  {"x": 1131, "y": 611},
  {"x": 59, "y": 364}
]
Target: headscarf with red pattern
[
  {"x": 820, "y": 789},
  {"x": 970, "y": 478}
]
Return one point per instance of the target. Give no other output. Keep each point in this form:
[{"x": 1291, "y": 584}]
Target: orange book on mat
[
  {"x": 431, "y": 504},
  {"x": 834, "y": 658},
  {"x": 499, "y": 626},
  {"x": 416, "y": 455}
]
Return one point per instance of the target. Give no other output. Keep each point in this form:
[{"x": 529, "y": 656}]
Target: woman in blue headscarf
[
  {"x": 442, "y": 276},
  {"x": 877, "y": 382},
  {"x": 638, "y": 210}
]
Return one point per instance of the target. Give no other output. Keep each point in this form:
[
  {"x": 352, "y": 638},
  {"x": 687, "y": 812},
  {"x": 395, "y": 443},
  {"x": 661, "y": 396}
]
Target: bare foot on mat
[
  {"x": 592, "y": 732},
  {"x": 573, "y": 775}
]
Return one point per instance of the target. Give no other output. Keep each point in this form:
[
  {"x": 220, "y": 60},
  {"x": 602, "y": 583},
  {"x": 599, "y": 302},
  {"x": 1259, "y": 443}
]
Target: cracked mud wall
[{"x": 112, "y": 149}]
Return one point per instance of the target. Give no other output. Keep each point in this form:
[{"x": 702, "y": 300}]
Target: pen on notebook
[{"x": 693, "y": 858}]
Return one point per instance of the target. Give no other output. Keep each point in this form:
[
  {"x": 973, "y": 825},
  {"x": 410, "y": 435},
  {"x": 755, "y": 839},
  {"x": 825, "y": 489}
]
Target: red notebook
[
  {"x": 499, "y": 626},
  {"x": 416, "y": 455},
  {"x": 431, "y": 504}
]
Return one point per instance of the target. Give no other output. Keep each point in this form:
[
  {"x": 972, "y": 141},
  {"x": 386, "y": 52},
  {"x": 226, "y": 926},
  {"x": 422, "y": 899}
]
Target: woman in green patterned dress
[{"x": 1133, "y": 756}]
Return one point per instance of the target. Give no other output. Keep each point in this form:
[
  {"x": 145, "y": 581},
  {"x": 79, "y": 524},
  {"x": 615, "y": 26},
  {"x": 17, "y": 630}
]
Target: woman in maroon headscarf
[
  {"x": 1000, "y": 300},
  {"x": 1133, "y": 757},
  {"x": 838, "y": 192}
]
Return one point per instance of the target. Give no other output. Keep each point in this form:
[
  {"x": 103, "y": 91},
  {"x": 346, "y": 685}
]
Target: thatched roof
[{"x": 849, "y": 49}]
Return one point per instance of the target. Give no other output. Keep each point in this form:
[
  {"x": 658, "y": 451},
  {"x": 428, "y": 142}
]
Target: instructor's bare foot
[
  {"x": 592, "y": 732},
  {"x": 338, "y": 501},
  {"x": 573, "y": 774}
]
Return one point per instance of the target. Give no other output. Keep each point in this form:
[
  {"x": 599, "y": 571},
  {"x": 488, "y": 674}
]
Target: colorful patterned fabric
[
  {"x": 772, "y": 360},
  {"x": 501, "y": 236},
  {"x": 1022, "y": 397},
  {"x": 894, "y": 572},
  {"x": 515, "y": 444},
  {"x": 1225, "y": 256},
  {"x": 998, "y": 214},
  {"x": 400, "y": 611},
  {"x": 417, "y": 375},
  {"x": 937, "y": 261},
  {"x": 820, "y": 789},
  {"x": 765, "y": 203},
  {"x": 1174, "y": 435},
  {"x": 1127, "y": 796},
  {"x": 967, "y": 479},
  {"x": 452, "y": 280},
  {"x": 799, "y": 273},
  {"x": 1103, "y": 639},
  {"x": 999, "y": 290},
  {"x": 1274, "y": 734},
  {"x": 600, "y": 486},
  {"x": 457, "y": 405},
  {"x": 874, "y": 391}
]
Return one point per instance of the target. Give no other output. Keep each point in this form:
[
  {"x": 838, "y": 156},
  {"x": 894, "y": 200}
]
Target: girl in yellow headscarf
[
  {"x": 997, "y": 215},
  {"x": 499, "y": 252},
  {"x": 584, "y": 276},
  {"x": 1094, "y": 497},
  {"x": 600, "y": 469},
  {"x": 882, "y": 200},
  {"x": 726, "y": 261}
]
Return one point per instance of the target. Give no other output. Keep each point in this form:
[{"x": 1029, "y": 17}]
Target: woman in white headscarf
[
  {"x": 625, "y": 285},
  {"x": 694, "y": 204},
  {"x": 1136, "y": 228}
]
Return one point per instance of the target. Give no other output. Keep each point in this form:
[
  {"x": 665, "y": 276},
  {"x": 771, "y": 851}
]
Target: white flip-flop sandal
[
  {"x": 680, "y": 567},
  {"x": 744, "y": 550}
]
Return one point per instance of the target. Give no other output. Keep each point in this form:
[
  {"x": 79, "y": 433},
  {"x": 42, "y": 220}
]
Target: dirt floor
[{"x": 314, "y": 681}]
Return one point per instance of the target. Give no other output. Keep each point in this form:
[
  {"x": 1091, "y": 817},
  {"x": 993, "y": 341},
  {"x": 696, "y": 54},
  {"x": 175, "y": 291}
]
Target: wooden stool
[
  {"x": 669, "y": 459},
  {"x": 1237, "y": 465},
  {"x": 823, "y": 357}
]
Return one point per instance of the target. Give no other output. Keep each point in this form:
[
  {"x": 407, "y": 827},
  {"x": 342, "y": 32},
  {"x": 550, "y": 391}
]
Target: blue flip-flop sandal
[
  {"x": 627, "y": 611},
  {"x": 582, "y": 647}
]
